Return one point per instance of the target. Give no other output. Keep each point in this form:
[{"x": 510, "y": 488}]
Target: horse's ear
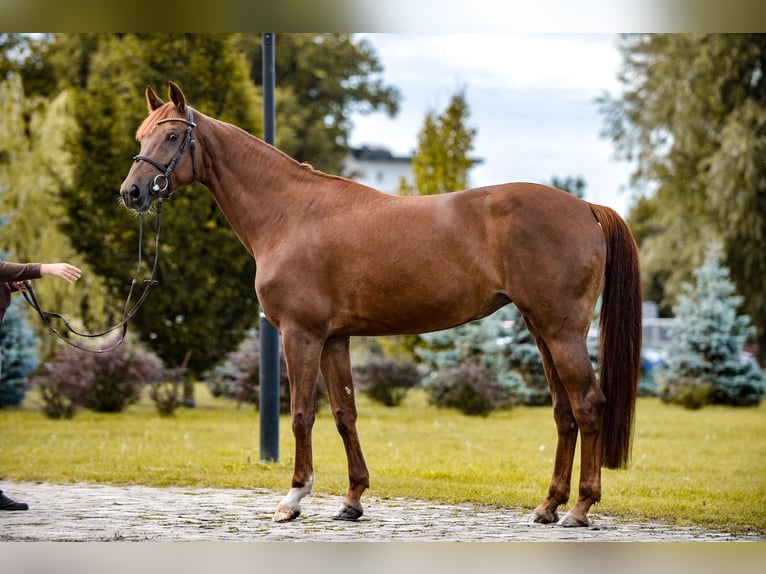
[
  {"x": 177, "y": 96},
  {"x": 152, "y": 100}
]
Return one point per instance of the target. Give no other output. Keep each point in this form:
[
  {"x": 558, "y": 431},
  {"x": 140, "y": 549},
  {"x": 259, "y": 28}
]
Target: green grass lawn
[{"x": 705, "y": 467}]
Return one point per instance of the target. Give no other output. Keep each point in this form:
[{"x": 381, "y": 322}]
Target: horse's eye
[{"x": 172, "y": 137}]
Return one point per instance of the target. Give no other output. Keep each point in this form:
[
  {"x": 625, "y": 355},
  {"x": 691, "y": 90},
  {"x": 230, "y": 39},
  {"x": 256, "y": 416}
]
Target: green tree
[
  {"x": 205, "y": 299},
  {"x": 692, "y": 116},
  {"x": 442, "y": 161},
  {"x": 321, "y": 79},
  {"x": 19, "y": 347},
  {"x": 23, "y": 55},
  {"x": 12, "y": 53},
  {"x": 706, "y": 364},
  {"x": 34, "y": 167},
  {"x": 468, "y": 366},
  {"x": 521, "y": 356},
  {"x": 574, "y": 185}
]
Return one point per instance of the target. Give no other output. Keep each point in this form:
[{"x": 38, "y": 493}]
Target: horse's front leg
[
  {"x": 336, "y": 369},
  {"x": 302, "y": 352}
]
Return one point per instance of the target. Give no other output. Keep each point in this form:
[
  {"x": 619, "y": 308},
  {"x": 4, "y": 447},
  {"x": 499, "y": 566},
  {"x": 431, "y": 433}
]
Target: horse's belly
[{"x": 416, "y": 311}]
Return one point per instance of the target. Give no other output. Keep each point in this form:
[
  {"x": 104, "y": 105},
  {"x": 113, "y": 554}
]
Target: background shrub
[
  {"x": 473, "y": 389},
  {"x": 166, "y": 396},
  {"x": 167, "y": 392},
  {"x": 475, "y": 359},
  {"x": 691, "y": 393},
  {"x": 520, "y": 356},
  {"x": 386, "y": 380},
  {"x": 238, "y": 376},
  {"x": 103, "y": 382},
  {"x": 57, "y": 396}
]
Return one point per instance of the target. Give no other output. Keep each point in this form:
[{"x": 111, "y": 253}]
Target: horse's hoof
[
  {"x": 286, "y": 514},
  {"x": 571, "y": 521},
  {"x": 348, "y": 513},
  {"x": 543, "y": 518}
]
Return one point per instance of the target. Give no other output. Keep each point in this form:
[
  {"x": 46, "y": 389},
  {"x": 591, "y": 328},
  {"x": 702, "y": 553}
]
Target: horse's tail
[{"x": 620, "y": 334}]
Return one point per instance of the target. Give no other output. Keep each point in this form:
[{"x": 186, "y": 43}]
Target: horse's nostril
[{"x": 135, "y": 191}]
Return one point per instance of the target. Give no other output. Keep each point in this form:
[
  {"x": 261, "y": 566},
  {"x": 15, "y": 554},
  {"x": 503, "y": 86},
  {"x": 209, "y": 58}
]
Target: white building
[{"x": 378, "y": 167}]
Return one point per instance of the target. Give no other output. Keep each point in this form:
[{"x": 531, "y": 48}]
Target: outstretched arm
[{"x": 65, "y": 271}]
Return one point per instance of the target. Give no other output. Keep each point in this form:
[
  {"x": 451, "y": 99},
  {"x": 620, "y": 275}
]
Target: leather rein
[{"x": 160, "y": 184}]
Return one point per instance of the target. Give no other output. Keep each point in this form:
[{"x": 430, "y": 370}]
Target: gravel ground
[{"x": 97, "y": 513}]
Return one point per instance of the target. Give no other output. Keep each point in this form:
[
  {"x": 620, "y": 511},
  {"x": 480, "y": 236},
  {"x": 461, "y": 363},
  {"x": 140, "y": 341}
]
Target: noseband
[{"x": 161, "y": 182}]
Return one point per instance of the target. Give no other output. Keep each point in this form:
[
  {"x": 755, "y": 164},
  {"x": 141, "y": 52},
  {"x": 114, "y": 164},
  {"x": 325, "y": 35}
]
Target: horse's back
[
  {"x": 533, "y": 224},
  {"x": 535, "y": 245}
]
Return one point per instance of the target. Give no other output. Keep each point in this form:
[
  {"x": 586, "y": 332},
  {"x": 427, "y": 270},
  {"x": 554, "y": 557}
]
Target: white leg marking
[{"x": 294, "y": 496}]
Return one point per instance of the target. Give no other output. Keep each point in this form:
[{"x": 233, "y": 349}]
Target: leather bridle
[{"x": 166, "y": 184}]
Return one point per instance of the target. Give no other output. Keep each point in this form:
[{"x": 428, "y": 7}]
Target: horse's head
[{"x": 162, "y": 164}]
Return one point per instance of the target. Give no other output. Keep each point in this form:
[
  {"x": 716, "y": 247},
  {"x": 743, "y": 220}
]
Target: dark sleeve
[{"x": 10, "y": 272}]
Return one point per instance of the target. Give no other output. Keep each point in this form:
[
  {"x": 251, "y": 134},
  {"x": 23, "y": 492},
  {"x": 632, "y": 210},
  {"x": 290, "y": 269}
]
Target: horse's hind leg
[
  {"x": 575, "y": 374},
  {"x": 336, "y": 370},
  {"x": 566, "y": 427},
  {"x": 302, "y": 352}
]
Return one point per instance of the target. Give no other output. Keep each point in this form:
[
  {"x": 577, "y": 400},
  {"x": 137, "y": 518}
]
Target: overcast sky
[{"x": 531, "y": 98}]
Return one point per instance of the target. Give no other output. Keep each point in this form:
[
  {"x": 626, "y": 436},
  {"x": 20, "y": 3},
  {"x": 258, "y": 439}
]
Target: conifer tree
[
  {"x": 467, "y": 367},
  {"x": 522, "y": 356},
  {"x": 441, "y": 163},
  {"x": 706, "y": 366},
  {"x": 501, "y": 344},
  {"x": 34, "y": 166},
  {"x": 19, "y": 347},
  {"x": 690, "y": 118}
]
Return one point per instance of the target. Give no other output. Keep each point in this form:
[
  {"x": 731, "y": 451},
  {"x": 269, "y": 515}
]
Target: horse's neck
[{"x": 256, "y": 186}]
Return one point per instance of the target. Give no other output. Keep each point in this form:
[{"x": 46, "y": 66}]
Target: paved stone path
[{"x": 94, "y": 512}]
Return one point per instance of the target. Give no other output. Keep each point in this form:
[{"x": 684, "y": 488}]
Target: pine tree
[
  {"x": 34, "y": 166},
  {"x": 492, "y": 357},
  {"x": 19, "y": 347},
  {"x": 690, "y": 118},
  {"x": 572, "y": 184},
  {"x": 706, "y": 366},
  {"x": 522, "y": 356},
  {"x": 18, "y": 344},
  {"x": 441, "y": 163}
]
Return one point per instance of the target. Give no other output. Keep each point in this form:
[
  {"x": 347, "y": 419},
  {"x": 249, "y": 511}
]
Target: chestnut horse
[{"x": 336, "y": 258}]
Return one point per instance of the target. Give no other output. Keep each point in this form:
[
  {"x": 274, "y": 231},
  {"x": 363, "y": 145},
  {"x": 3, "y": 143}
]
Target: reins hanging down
[
  {"x": 161, "y": 183},
  {"x": 128, "y": 311}
]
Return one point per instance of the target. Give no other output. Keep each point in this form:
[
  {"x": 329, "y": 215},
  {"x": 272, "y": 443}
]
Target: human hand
[{"x": 65, "y": 271}]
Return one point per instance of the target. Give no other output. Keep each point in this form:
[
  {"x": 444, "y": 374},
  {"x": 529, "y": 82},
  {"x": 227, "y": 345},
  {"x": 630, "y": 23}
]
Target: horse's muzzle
[{"x": 134, "y": 199}]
